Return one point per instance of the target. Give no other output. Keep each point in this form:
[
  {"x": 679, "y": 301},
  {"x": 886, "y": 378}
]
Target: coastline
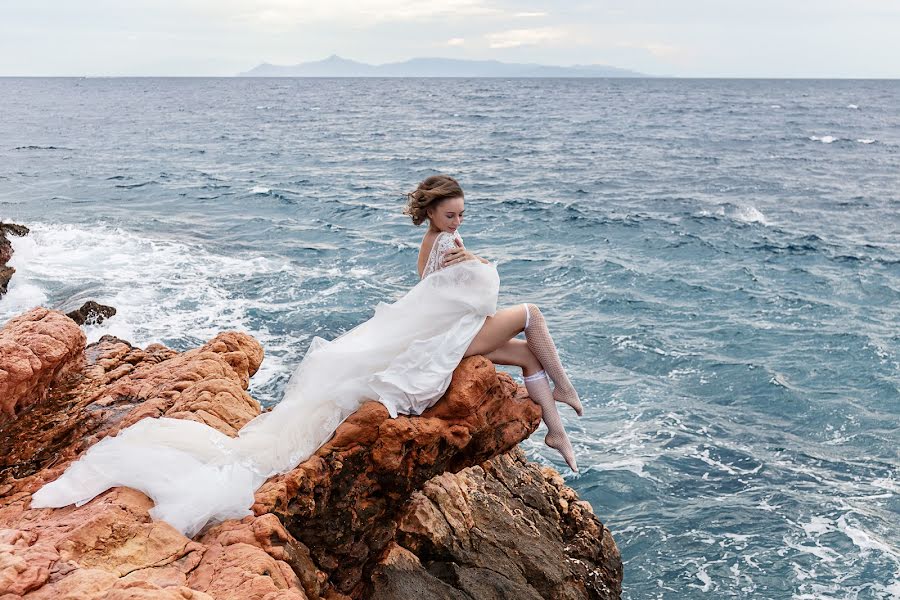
[{"x": 386, "y": 507}]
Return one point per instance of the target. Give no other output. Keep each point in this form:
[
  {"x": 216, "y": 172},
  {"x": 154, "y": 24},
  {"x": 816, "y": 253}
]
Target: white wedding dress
[{"x": 403, "y": 356}]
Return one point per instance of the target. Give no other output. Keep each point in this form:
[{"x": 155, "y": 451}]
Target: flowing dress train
[{"x": 403, "y": 356}]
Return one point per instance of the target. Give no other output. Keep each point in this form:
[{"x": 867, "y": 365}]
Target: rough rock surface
[
  {"x": 506, "y": 528},
  {"x": 335, "y": 527},
  {"x": 91, "y": 313},
  {"x": 343, "y": 503},
  {"x": 6, "y": 252},
  {"x": 37, "y": 348}
]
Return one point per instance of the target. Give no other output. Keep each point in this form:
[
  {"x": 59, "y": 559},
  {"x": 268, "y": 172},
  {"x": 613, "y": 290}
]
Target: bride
[{"x": 403, "y": 356}]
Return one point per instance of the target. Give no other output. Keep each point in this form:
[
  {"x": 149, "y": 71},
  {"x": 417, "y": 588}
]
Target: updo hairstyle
[{"x": 430, "y": 192}]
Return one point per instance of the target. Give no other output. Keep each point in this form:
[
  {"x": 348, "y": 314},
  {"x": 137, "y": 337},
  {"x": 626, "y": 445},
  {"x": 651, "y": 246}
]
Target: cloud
[
  {"x": 666, "y": 52},
  {"x": 530, "y": 14},
  {"x": 286, "y": 14},
  {"x": 514, "y": 38},
  {"x": 456, "y": 41}
]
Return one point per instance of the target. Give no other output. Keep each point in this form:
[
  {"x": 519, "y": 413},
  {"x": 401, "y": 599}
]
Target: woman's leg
[
  {"x": 541, "y": 345},
  {"x": 509, "y": 322},
  {"x": 539, "y": 390},
  {"x": 515, "y": 352},
  {"x": 506, "y": 324}
]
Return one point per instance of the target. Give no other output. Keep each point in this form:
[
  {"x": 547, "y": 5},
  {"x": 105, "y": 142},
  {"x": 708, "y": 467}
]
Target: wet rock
[
  {"x": 6, "y": 252},
  {"x": 91, "y": 313}
]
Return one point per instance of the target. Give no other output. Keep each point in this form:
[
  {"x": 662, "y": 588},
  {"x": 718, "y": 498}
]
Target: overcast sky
[{"x": 691, "y": 38}]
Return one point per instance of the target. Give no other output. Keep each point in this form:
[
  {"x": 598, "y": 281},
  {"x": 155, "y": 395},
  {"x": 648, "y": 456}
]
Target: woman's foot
[
  {"x": 561, "y": 444},
  {"x": 568, "y": 395}
]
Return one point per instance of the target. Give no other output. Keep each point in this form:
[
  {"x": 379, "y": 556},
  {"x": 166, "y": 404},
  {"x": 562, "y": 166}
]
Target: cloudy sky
[{"x": 690, "y": 38}]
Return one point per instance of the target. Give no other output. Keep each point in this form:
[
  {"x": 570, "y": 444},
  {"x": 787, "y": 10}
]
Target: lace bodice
[{"x": 442, "y": 244}]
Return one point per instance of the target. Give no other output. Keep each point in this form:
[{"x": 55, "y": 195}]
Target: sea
[{"x": 718, "y": 262}]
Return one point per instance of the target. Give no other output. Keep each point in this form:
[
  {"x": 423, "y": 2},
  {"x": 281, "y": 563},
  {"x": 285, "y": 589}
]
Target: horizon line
[{"x": 643, "y": 76}]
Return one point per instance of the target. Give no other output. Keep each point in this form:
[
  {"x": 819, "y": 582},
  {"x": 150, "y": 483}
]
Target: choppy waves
[{"x": 718, "y": 261}]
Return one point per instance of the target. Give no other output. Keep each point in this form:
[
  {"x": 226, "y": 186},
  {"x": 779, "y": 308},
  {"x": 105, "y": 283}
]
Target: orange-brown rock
[
  {"x": 110, "y": 547},
  {"x": 37, "y": 349},
  {"x": 320, "y": 531},
  {"x": 343, "y": 503}
]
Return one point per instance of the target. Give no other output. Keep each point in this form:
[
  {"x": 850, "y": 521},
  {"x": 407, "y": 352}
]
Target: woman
[
  {"x": 404, "y": 356},
  {"x": 440, "y": 200}
]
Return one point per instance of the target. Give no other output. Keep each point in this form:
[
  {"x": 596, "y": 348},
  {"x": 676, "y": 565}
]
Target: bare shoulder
[{"x": 428, "y": 241}]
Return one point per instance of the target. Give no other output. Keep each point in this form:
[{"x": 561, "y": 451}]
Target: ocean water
[{"x": 718, "y": 260}]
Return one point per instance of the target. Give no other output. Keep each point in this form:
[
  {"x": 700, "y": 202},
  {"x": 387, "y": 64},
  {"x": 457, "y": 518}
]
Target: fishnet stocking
[
  {"x": 541, "y": 345},
  {"x": 538, "y": 387}
]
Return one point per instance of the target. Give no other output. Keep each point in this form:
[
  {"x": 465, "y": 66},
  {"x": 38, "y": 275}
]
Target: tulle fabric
[{"x": 403, "y": 356}]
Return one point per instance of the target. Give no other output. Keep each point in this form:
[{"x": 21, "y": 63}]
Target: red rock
[
  {"x": 327, "y": 529},
  {"x": 37, "y": 350}
]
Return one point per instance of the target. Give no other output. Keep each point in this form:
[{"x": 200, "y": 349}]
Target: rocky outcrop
[
  {"x": 506, "y": 528},
  {"x": 91, "y": 313},
  {"x": 38, "y": 349},
  {"x": 6, "y": 252},
  {"x": 343, "y": 503},
  {"x": 358, "y": 519}
]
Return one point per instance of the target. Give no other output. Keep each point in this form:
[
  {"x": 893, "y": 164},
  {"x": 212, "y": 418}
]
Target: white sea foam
[
  {"x": 728, "y": 468},
  {"x": 703, "y": 576},
  {"x": 817, "y": 526},
  {"x": 161, "y": 289},
  {"x": 852, "y": 106},
  {"x": 890, "y": 591},
  {"x": 677, "y": 374},
  {"x": 259, "y": 189},
  {"x": 764, "y": 505},
  {"x": 825, "y": 139},
  {"x": 826, "y": 555},
  {"x": 628, "y": 341},
  {"x": 864, "y": 540},
  {"x": 887, "y": 484},
  {"x": 749, "y": 214},
  {"x": 866, "y": 140},
  {"x": 633, "y": 464}
]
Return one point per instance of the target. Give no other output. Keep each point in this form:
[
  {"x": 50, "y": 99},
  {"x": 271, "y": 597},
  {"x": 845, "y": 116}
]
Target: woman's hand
[{"x": 458, "y": 255}]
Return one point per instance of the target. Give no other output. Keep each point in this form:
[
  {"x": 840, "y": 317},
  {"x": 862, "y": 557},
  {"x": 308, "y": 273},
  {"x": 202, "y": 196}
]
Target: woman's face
[{"x": 448, "y": 214}]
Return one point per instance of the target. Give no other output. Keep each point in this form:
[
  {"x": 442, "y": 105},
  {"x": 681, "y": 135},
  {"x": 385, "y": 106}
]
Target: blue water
[{"x": 719, "y": 263}]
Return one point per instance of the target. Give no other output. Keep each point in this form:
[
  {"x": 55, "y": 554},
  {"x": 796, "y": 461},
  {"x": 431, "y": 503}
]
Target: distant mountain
[{"x": 335, "y": 66}]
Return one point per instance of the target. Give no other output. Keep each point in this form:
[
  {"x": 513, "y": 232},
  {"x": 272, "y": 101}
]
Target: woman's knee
[
  {"x": 526, "y": 358},
  {"x": 532, "y": 312}
]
